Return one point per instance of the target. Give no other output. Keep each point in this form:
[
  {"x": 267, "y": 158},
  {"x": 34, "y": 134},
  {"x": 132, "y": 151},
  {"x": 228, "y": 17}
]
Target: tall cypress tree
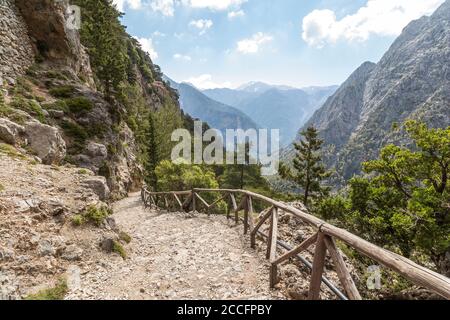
[
  {"x": 105, "y": 39},
  {"x": 309, "y": 170},
  {"x": 153, "y": 156}
]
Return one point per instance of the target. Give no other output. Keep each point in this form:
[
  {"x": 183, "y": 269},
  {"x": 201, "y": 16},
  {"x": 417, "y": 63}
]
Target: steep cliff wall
[{"x": 16, "y": 49}]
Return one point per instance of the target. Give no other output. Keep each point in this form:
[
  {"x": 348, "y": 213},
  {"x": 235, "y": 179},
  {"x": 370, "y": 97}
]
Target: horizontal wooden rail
[{"x": 328, "y": 233}]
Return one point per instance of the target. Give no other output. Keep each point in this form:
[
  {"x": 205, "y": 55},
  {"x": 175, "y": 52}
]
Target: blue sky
[{"x": 225, "y": 43}]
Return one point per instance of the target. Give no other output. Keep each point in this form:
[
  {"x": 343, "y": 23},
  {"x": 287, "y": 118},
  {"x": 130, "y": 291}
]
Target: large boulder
[
  {"x": 9, "y": 131},
  {"x": 99, "y": 186},
  {"x": 46, "y": 142}
]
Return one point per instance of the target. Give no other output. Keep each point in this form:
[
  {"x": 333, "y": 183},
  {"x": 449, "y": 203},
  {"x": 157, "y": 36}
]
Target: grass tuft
[
  {"x": 58, "y": 292},
  {"x": 125, "y": 237},
  {"x": 119, "y": 249}
]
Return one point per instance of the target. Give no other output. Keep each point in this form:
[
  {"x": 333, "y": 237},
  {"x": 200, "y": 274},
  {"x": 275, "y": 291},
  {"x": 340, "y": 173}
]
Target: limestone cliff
[
  {"x": 412, "y": 80},
  {"x": 49, "y": 91}
]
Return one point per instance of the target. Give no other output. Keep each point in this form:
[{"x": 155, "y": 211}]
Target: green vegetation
[
  {"x": 58, "y": 292},
  {"x": 83, "y": 172},
  {"x": 30, "y": 106},
  {"x": 124, "y": 237},
  {"x": 77, "y": 133},
  {"x": 105, "y": 39},
  {"x": 57, "y": 105},
  {"x": 402, "y": 202},
  {"x": 2, "y": 187},
  {"x": 309, "y": 169},
  {"x": 184, "y": 177},
  {"x": 78, "y": 220},
  {"x": 10, "y": 151},
  {"x": 79, "y": 105},
  {"x": 153, "y": 156},
  {"x": 119, "y": 249},
  {"x": 93, "y": 214},
  {"x": 62, "y": 91}
]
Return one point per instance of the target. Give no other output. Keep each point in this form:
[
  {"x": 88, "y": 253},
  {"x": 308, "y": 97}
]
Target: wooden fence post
[
  {"x": 194, "y": 200},
  {"x": 273, "y": 236},
  {"x": 318, "y": 266}
]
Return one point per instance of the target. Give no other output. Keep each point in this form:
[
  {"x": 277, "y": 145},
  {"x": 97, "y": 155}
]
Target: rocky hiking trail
[{"x": 178, "y": 256}]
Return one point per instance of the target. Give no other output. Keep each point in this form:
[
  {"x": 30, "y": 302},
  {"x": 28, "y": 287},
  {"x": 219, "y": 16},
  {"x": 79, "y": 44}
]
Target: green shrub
[
  {"x": 96, "y": 215},
  {"x": 79, "y": 105},
  {"x": 77, "y": 133},
  {"x": 2, "y": 187},
  {"x": 125, "y": 237},
  {"x": 62, "y": 92},
  {"x": 55, "y": 75},
  {"x": 83, "y": 172},
  {"x": 30, "y": 106},
  {"x": 10, "y": 151},
  {"x": 58, "y": 292},
  {"x": 78, "y": 220},
  {"x": 119, "y": 249},
  {"x": 57, "y": 105}
]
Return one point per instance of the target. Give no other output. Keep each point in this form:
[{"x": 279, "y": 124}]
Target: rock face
[
  {"x": 412, "y": 80},
  {"x": 54, "y": 36},
  {"x": 10, "y": 132},
  {"x": 46, "y": 142},
  {"x": 16, "y": 50},
  {"x": 99, "y": 186}
]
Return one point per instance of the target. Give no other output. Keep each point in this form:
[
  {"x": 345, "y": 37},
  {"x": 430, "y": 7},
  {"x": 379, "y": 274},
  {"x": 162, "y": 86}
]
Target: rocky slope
[
  {"x": 38, "y": 243},
  {"x": 66, "y": 149},
  {"x": 411, "y": 81},
  {"x": 50, "y": 95}
]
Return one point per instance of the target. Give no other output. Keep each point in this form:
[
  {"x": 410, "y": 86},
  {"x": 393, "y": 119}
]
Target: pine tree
[
  {"x": 309, "y": 170},
  {"x": 153, "y": 156},
  {"x": 105, "y": 39}
]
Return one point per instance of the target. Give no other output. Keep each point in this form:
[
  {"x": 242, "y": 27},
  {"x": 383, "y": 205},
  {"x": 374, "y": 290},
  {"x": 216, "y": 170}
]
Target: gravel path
[{"x": 178, "y": 256}]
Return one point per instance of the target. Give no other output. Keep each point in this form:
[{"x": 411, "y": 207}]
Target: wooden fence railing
[{"x": 324, "y": 239}]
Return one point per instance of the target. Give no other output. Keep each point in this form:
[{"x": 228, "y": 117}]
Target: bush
[
  {"x": 56, "y": 293},
  {"x": 79, "y": 105},
  {"x": 96, "y": 215},
  {"x": 83, "y": 172},
  {"x": 30, "y": 106},
  {"x": 62, "y": 92},
  {"x": 77, "y": 133},
  {"x": 2, "y": 188},
  {"x": 93, "y": 214},
  {"x": 125, "y": 237},
  {"x": 119, "y": 249},
  {"x": 57, "y": 105},
  {"x": 78, "y": 220}
]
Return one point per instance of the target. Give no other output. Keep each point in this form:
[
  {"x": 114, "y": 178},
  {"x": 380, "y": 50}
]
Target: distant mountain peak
[{"x": 260, "y": 87}]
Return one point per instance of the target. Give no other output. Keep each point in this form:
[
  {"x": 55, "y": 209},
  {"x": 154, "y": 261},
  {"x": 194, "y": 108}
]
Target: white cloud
[
  {"x": 205, "y": 81},
  {"x": 377, "y": 17},
  {"x": 202, "y": 25},
  {"x": 179, "y": 56},
  {"x": 213, "y": 4},
  {"x": 133, "y": 4},
  {"x": 147, "y": 46},
  {"x": 236, "y": 14},
  {"x": 166, "y": 7},
  {"x": 253, "y": 44},
  {"x": 158, "y": 34}
]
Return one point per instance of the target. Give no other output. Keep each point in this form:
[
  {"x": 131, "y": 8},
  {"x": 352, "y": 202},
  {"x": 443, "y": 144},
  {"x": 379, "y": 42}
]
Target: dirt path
[{"x": 178, "y": 256}]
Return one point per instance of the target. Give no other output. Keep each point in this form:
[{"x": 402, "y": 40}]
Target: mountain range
[
  {"x": 274, "y": 107},
  {"x": 411, "y": 81},
  {"x": 218, "y": 115}
]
